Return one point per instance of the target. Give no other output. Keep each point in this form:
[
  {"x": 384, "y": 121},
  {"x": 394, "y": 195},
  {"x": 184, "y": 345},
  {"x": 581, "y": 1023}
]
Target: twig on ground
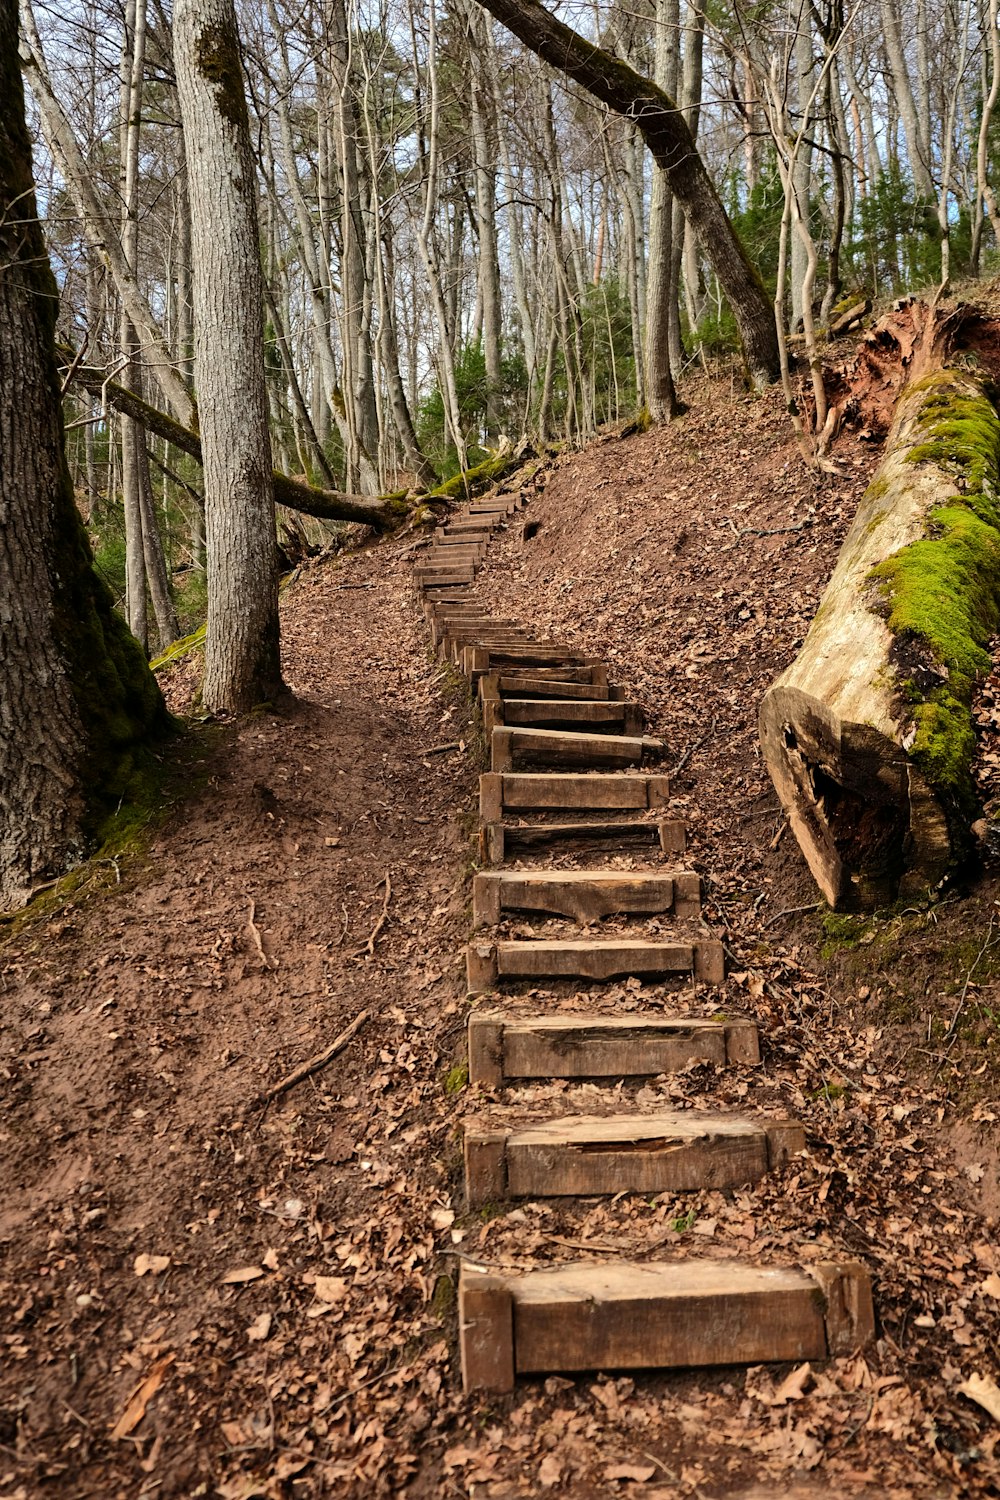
[
  {"x": 254, "y": 931},
  {"x": 369, "y": 947},
  {"x": 440, "y": 749},
  {"x": 692, "y": 748},
  {"x": 306, "y": 1069},
  {"x": 778, "y": 837},
  {"x": 343, "y": 930},
  {"x": 792, "y": 911}
]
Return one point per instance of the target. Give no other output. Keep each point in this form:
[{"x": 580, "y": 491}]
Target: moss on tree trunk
[
  {"x": 868, "y": 735},
  {"x": 78, "y": 704}
]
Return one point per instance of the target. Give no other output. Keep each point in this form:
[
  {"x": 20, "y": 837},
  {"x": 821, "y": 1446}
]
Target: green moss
[
  {"x": 443, "y": 1297},
  {"x": 177, "y": 649},
  {"x": 941, "y": 594},
  {"x": 217, "y": 57},
  {"x": 474, "y": 479},
  {"x": 828, "y": 1093},
  {"x": 456, "y": 1079}
]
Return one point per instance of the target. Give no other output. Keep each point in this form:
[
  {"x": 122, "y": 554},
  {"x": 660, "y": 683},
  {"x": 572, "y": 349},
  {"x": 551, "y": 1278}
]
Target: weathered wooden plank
[
  {"x": 599, "y": 717},
  {"x": 514, "y": 748},
  {"x": 548, "y": 790},
  {"x": 499, "y": 841},
  {"x": 510, "y": 1046},
  {"x": 439, "y": 576},
  {"x": 486, "y": 1333},
  {"x": 666, "y": 1315},
  {"x": 590, "y": 958},
  {"x": 592, "y": 672},
  {"x": 480, "y": 660},
  {"x": 673, "y": 1151},
  {"x": 541, "y": 687},
  {"x": 585, "y": 895}
]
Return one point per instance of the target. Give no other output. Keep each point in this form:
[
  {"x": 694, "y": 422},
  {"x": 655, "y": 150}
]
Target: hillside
[{"x": 260, "y": 1293}]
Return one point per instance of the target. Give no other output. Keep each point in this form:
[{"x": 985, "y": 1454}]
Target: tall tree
[
  {"x": 242, "y": 666},
  {"x": 76, "y": 696},
  {"x": 668, "y": 137}
]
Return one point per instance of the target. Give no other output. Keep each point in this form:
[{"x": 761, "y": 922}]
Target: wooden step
[
  {"x": 460, "y": 597},
  {"x": 548, "y": 790},
  {"x": 496, "y": 688},
  {"x": 452, "y": 553},
  {"x": 592, "y": 672},
  {"x": 590, "y": 958},
  {"x": 502, "y": 841},
  {"x": 504, "y": 505},
  {"x": 511, "y": 1046},
  {"x": 585, "y": 895},
  {"x": 437, "y": 577},
  {"x": 516, "y": 748},
  {"x": 657, "y": 1315},
  {"x": 480, "y": 660},
  {"x": 602, "y": 717},
  {"x": 673, "y": 1151}
]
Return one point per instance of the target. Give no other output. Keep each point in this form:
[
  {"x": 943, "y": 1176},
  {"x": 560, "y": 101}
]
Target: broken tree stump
[{"x": 868, "y": 735}]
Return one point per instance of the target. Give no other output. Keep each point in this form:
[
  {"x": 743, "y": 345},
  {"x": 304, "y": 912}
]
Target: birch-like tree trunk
[
  {"x": 242, "y": 665},
  {"x": 661, "y": 397}
]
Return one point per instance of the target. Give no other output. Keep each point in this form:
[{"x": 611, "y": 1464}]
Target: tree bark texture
[
  {"x": 868, "y": 735},
  {"x": 76, "y": 696},
  {"x": 668, "y": 137},
  {"x": 242, "y": 666}
]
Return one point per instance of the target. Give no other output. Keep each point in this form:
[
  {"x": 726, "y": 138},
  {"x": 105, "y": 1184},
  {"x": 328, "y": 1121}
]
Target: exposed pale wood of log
[{"x": 867, "y": 734}]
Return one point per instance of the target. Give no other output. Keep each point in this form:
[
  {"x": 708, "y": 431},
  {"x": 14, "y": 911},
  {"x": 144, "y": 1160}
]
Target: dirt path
[{"x": 293, "y": 1331}]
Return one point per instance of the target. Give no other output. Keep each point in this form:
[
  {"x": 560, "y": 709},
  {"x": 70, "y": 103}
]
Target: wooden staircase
[{"x": 572, "y": 774}]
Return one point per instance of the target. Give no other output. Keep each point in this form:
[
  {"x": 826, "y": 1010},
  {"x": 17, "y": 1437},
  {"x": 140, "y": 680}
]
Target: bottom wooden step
[
  {"x": 511, "y": 1046},
  {"x": 657, "y": 1315}
]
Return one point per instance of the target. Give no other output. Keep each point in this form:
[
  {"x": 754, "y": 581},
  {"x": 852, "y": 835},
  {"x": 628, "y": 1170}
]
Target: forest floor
[{"x": 203, "y": 1292}]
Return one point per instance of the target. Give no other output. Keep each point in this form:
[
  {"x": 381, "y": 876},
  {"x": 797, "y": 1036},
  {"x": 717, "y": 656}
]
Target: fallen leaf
[
  {"x": 145, "y": 1263},
  {"x": 244, "y": 1274},
  {"x": 442, "y": 1218},
  {"x": 330, "y": 1288},
  {"x": 975, "y": 1172},
  {"x": 991, "y": 1286},
  {"x": 135, "y": 1407},
  {"x": 985, "y": 1392},
  {"x": 549, "y": 1471},
  {"x": 259, "y": 1328},
  {"x": 795, "y": 1385},
  {"x": 639, "y": 1472},
  {"x": 271, "y": 1260}
]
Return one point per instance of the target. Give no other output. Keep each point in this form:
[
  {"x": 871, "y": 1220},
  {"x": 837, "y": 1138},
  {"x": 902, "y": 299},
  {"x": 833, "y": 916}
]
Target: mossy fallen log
[{"x": 868, "y": 735}]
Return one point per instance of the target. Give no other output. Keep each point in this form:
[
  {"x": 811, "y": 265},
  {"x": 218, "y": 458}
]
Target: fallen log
[
  {"x": 868, "y": 735},
  {"x": 383, "y": 512}
]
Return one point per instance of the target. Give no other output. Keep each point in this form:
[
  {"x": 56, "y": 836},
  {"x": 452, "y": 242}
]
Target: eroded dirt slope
[{"x": 273, "y": 1286}]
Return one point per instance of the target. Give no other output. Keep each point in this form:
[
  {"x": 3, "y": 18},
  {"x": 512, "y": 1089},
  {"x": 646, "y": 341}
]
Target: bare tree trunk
[
  {"x": 76, "y": 697},
  {"x": 902, "y": 91},
  {"x": 242, "y": 665},
  {"x": 661, "y": 397},
  {"x": 133, "y": 62},
  {"x": 486, "y": 192}
]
